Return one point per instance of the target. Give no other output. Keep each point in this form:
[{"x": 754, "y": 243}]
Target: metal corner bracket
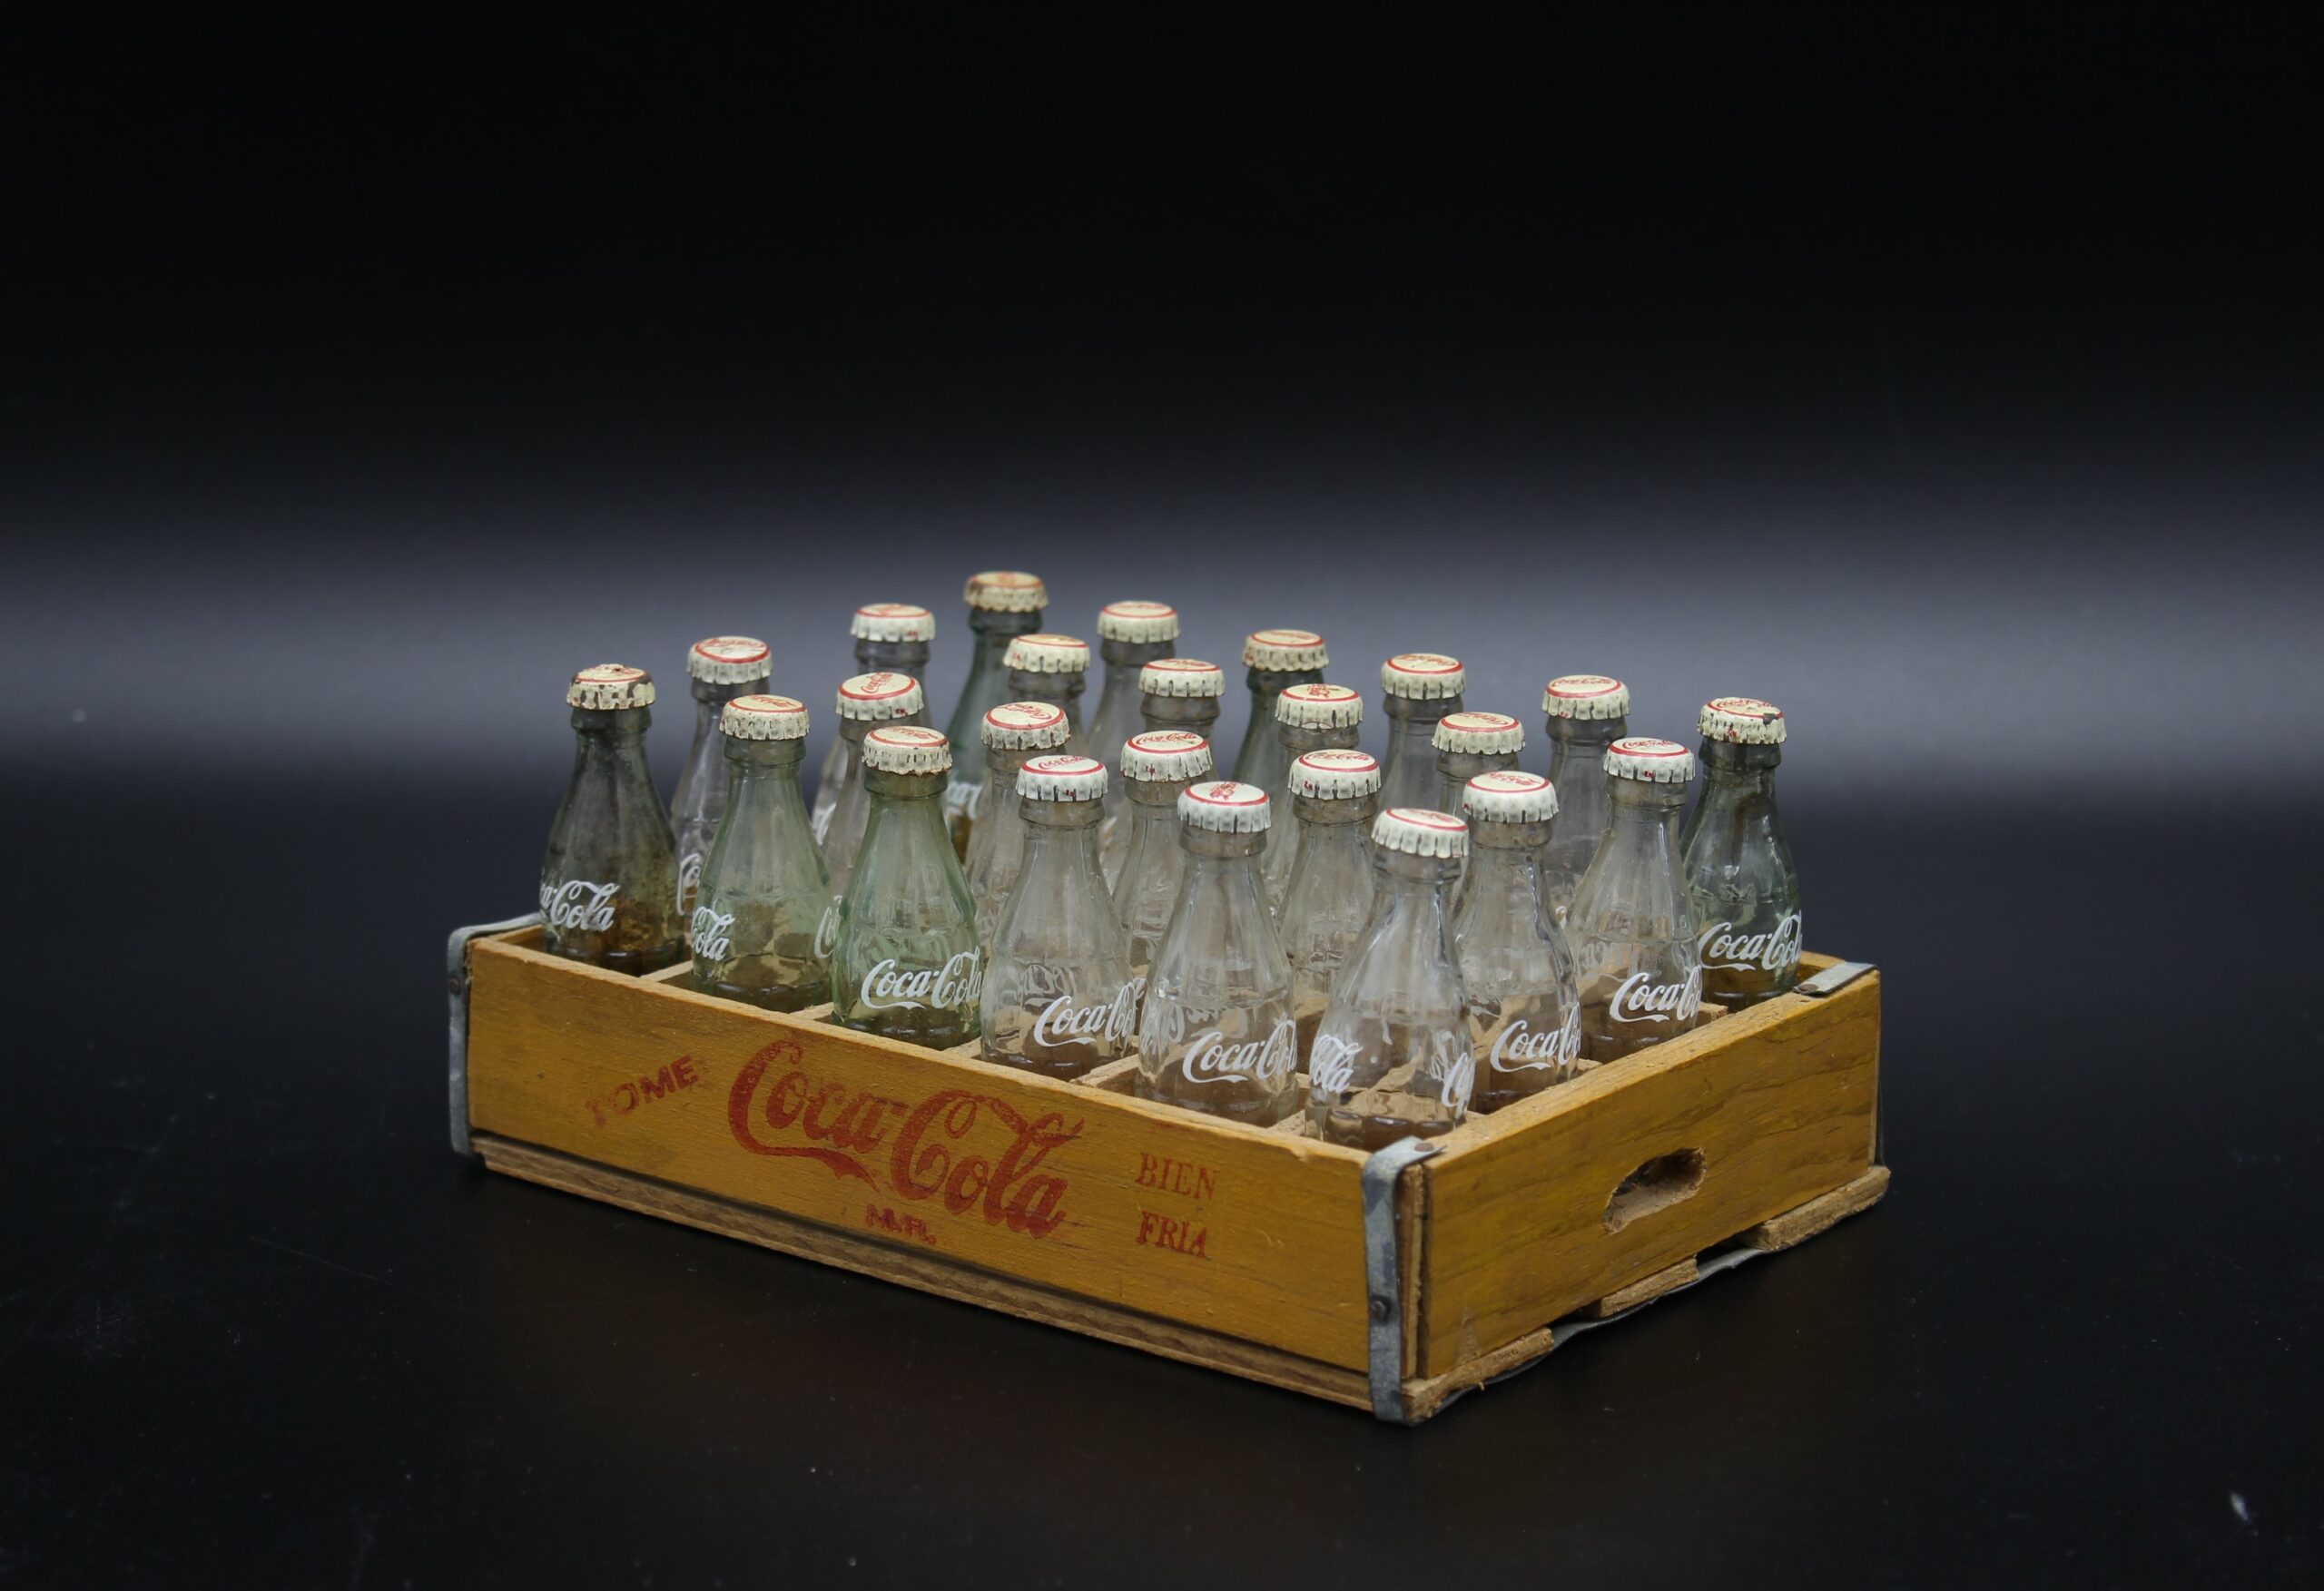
[
  {"x": 1832, "y": 980},
  {"x": 1384, "y": 1273},
  {"x": 456, "y": 979}
]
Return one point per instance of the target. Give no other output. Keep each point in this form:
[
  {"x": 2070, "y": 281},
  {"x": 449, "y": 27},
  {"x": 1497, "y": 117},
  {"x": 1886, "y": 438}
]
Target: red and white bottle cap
[
  {"x": 906, "y": 748},
  {"x": 893, "y": 621},
  {"x": 1062, "y": 776},
  {"x": 1165, "y": 756},
  {"x": 1586, "y": 696},
  {"x": 1036, "y": 726},
  {"x": 1422, "y": 676},
  {"x": 763, "y": 717},
  {"x": 1319, "y": 706},
  {"x": 1285, "y": 651},
  {"x": 1221, "y": 806},
  {"x": 610, "y": 687},
  {"x": 877, "y": 698},
  {"x": 1182, "y": 676},
  {"x": 1048, "y": 654},
  {"x": 1140, "y": 623},
  {"x": 1006, "y": 591},
  {"x": 1335, "y": 775},
  {"x": 1745, "y": 719},
  {"x": 1644, "y": 758},
  {"x": 1420, "y": 831},
  {"x": 729, "y": 660},
  {"x": 1510, "y": 796},
  {"x": 1478, "y": 732}
]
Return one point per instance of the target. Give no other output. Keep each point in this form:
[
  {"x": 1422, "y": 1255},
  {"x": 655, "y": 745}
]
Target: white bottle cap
[
  {"x": 610, "y": 687},
  {"x": 906, "y": 748},
  {"x": 1285, "y": 651},
  {"x": 1165, "y": 756},
  {"x": 1048, "y": 654},
  {"x": 1006, "y": 591},
  {"x": 893, "y": 621},
  {"x": 1746, "y": 720},
  {"x": 1182, "y": 676},
  {"x": 877, "y": 698},
  {"x": 763, "y": 717},
  {"x": 1586, "y": 696},
  {"x": 1655, "y": 761},
  {"x": 1062, "y": 777},
  {"x": 1422, "y": 675},
  {"x": 1478, "y": 732},
  {"x": 1033, "y": 725},
  {"x": 729, "y": 660},
  {"x": 1224, "y": 806},
  {"x": 1319, "y": 706},
  {"x": 1510, "y": 796},
  {"x": 1335, "y": 775},
  {"x": 1420, "y": 831},
  {"x": 1138, "y": 621}
]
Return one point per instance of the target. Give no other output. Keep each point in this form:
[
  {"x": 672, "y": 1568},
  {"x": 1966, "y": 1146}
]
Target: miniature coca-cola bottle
[
  {"x": 1587, "y": 713},
  {"x": 1468, "y": 744},
  {"x": 763, "y": 893},
  {"x": 1060, "y": 996},
  {"x": 1181, "y": 693},
  {"x": 719, "y": 669},
  {"x": 1308, "y": 718},
  {"x": 890, "y": 638},
  {"x": 1631, "y": 926},
  {"x": 1054, "y": 669},
  {"x": 1276, "y": 660},
  {"x": 609, "y": 883},
  {"x": 1011, "y": 732},
  {"x": 1420, "y": 690},
  {"x": 1130, "y": 635},
  {"x": 1158, "y": 767},
  {"x": 1391, "y": 1058},
  {"x": 1737, "y": 865},
  {"x": 1326, "y": 901},
  {"x": 1002, "y": 605},
  {"x": 865, "y": 702},
  {"x": 1217, "y": 1035},
  {"x": 1515, "y": 964},
  {"x": 905, "y": 957}
]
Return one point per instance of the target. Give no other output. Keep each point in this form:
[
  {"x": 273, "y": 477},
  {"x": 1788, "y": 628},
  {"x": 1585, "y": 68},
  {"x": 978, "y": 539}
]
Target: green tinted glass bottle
[
  {"x": 609, "y": 883},
  {"x": 905, "y": 957},
  {"x": 763, "y": 891}
]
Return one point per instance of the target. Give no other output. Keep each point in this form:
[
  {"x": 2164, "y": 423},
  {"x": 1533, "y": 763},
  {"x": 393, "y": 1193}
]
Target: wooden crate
[{"x": 1390, "y": 1282}]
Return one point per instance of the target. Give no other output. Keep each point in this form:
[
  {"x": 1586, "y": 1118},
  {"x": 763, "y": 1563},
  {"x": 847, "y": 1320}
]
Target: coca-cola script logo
[
  {"x": 1063, "y": 1022},
  {"x": 1267, "y": 1062},
  {"x": 578, "y": 904},
  {"x": 969, "y": 1151},
  {"x": 827, "y": 930},
  {"x": 1725, "y": 951},
  {"x": 1641, "y": 1000},
  {"x": 711, "y": 938},
  {"x": 1522, "y": 1047},
  {"x": 889, "y": 987},
  {"x": 1331, "y": 1064}
]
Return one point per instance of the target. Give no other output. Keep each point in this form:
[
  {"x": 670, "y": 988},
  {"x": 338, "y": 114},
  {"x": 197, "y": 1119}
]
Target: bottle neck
[
  {"x": 904, "y": 791},
  {"x": 618, "y": 735},
  {"x": 1196, "y": 713},
  {"x": 1354, "y": 813},
  {"x": 1062, "y": 818},
  {"x": 714, "y": 695},
  {"x": 1463, "y": 766},
  {"x": 763, "y": 763},
  {"x": 1584, "y": 736},
  {"x": 1300, "y": 739},
  {"x": 1226, "y": 849},
  {"x": 1002, "y": 763},
  {"x": 1506, "y": 856},
  {"x": 994, "y": 631},
  {"x": 1408, "y": 715},
  {"x": 1064, "y": 690},
  {"x": 1733, "y": 769},
  {"x": 891, "y": 657},
  {"x": 1127, "y": 657},
  {"x": 1266, "y": 684},
  {"x": 1156, "y": 796},
  {"x": 1643, "y": 813}
]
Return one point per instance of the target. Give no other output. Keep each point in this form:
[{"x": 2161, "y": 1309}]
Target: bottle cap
[
  {"x": 1061, "y": 777},
  {"x": 1048, "y": 654},
  {"x": 1746, "y": 720},
  {"x": 893, "y": 621},
  {"x": 763, "y": 717},
  {"x": 1420, "y": 831},
  {"x": 1586, "y": 696},
  {"x": 610, "y": 687},
  {"x": 1182, "y": 676},
  {"x": 728, "y": 660},
  {"x": 1165, "y": 756},
  {"x": 1510, "y": 796},
  {"x": 1478, "y": 732},
  {"x": 1335, "y": 776},
  {"x": 879, "y": 697},
  {"x": 906, "y": 748},
  {"x": 1224, "y": 807},
  {"x": 1285, "y": 651},
  {"x": 1006, "y": 591},
  {"x": 1655, "y": 761},
  {"x": 1422, "y": 675},
  {"x": 1138, "y": 622},
  {"x": 1319, "y": 706},
  {"x": 1036, "y": 726}
]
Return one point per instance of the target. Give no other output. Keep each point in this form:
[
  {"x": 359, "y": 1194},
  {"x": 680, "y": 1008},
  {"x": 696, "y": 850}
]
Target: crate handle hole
[{"x": 1658, "y": 1184}]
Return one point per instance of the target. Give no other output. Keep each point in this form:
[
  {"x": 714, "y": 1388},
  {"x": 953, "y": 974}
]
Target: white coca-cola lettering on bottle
[
  {"x": 1266, "y": 1061},
  {"x": 711, "y": 941},
  {"x": 578, "y": 904},
  {"x": 888, "y": 987},
  {"x": 827, "y": 930},
  {"x": 1331, "y": 1064},
  {"x": 1725, "y": 951},
  {"x": 1455, "y": 1066},
  {"x": 1062, "y": 1022},
  {"x": 1641, "y": 1000},
  {"x": 1522, "y": 1047},
  {"x": 822, "y": 822}
]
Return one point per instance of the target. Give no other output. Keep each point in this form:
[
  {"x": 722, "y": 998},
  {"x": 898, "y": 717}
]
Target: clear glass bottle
[
  {"x": 1274, "y": 659},
  {"x": 609, "y": 882},
  {"x": 1335, "y": 797},
  {"x": 1631, "y": 926},
  {"x": 905, "y": 957},
  {"x": 1060, "y": 996},
  {"x": 1393, "y": 1056},
  {"x": 890, "y": 638},
  {"x": 719, "y": 669},
  {"x": 1308, "y": 718},
  {"x": 1011, "y": 732},
  {"x": 1158, "y": 767},
  {"x": 1003, "y": 604},
  {"x": 1741, "y": 877},
  {"x": 1130, "y": 635},
  {"x": 1586, "y": 714},
  {"x": 1468, "y": 744},
  {"x": 1054, "y": 669},
  {"x": 1525, "y": 1012},
  {"x": 1217, "y": 1035},
  {"x": 1419, "y": 689},
  {"x": 864, "y": 703},
  {"x": 763, "y": 893},
  {"x": 1174, "y": 693}
]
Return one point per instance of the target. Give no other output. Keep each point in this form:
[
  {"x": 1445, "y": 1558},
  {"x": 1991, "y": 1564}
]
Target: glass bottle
[
  {"x": 1516, "y": 968},
  {"x": 1156, "y": 766},
  {"x": 719, "y": 669},
  {"x": 1308, "y": 718},
  {"x": 1054, "y": 669},
  {"x": 1011, "y": 732},
  {"x": 609, "y": 882},
  {"x": 905, "y": 957},
  {"x": 1217, "y": 1035},
  {"x": 1060, "y": 996},
  {"x": 1003, "y": 605},
  {"x": 1586, "y": 714},
  {"x": 1335, "y": 796},
  {"x": 1419, "y": 689},
  {"x": 865, "y": 702},
  {"x": 1740, "y": 880},
  {"x": 1274, "y": 659},
  {"x": 1130, "y": 635},
  {"x": 890, "y": 638},
  {"x": 1631, "y": 926},
  {"x": 1393, "y": 1056},
  {"x": 1468, "y": 744},
  {"x": 764, "y": 892},
  {"x": 1173, "y": 693}
]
